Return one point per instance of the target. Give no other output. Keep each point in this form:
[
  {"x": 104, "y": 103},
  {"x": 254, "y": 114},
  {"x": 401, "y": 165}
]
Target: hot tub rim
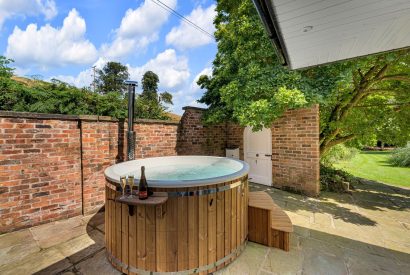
[{"x": 184, "y": 183}]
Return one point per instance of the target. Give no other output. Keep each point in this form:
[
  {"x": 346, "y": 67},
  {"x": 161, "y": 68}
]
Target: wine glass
[
  {"x": 123, "y": 181},
  {"x": 131, "y": 184}
]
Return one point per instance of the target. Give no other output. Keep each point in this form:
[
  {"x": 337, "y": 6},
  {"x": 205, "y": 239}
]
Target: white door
[{"x": 258, "y": 154}]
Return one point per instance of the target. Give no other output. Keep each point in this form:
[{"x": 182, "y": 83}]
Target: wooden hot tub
[{"x": 188, "y": 226}]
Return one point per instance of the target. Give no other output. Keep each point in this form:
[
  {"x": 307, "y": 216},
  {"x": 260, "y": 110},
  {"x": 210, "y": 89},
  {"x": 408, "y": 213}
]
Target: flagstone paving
[{"x": 366, "y": 232}]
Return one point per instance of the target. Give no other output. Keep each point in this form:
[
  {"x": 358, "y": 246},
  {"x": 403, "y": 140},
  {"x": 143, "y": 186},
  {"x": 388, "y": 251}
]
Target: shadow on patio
[{"x": 334, "y": 234}]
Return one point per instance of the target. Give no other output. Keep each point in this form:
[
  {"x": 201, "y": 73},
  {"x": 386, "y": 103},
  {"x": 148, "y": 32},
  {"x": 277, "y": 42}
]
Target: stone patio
[{"x": 367, "y": 232}]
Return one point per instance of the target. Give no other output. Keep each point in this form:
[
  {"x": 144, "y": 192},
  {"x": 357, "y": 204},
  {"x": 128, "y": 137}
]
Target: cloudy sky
[{"x": 65, "y": 38}]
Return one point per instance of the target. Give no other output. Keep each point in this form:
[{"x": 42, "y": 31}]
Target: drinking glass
[
  {"x": 123, "y": 181},
  {"x": 131, "y": 184}
]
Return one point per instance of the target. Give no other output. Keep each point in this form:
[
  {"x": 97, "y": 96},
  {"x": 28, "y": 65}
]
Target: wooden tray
[{"x": 157, "y": 198}]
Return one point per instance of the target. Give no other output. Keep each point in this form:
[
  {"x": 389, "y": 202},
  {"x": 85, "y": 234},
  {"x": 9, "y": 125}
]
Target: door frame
[{"x": 245, "y": 149}]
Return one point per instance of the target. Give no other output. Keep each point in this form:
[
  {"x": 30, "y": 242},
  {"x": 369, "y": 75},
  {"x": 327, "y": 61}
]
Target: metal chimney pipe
[{"x": 130, "y": 133}]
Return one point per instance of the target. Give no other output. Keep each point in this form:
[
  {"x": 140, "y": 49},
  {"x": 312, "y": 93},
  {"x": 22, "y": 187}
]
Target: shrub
[
  {"x": 401, "y": 157},
  {"x": 338, "y": 153},
  {"x": 335, "y": 180}
]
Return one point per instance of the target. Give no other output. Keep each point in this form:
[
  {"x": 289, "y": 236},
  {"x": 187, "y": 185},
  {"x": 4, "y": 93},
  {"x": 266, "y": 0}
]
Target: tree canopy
[
  {"x": 149, "y": 103},
  {"x": 361, "y": 100},
  {"x": 58, "y": 97},
  {"x": 111, "y": 78}
]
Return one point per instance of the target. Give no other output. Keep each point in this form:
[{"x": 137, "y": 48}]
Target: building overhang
[{"x": 308, "y": 33}]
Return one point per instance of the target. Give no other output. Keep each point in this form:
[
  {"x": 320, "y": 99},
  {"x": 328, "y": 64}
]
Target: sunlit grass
[{"x": 375, "y": 166}]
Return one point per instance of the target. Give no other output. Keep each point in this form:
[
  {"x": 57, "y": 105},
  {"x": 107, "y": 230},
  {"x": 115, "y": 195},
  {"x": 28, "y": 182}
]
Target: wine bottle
[{"x": 143, "y": 185}]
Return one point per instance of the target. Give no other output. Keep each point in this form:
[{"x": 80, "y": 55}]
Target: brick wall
[
  {"x": 40, "y": 173},
  {"x": 155, "y": 138},
  {"x": 295, "y": 145},
  {"x": 52, "y": 166},
  {"x": 194, "y": 138},
  {"x": 295, "y": 151}
]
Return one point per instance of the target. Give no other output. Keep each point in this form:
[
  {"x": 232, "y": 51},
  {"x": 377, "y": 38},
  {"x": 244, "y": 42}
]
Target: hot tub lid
[{"x": 180, "y": 171}]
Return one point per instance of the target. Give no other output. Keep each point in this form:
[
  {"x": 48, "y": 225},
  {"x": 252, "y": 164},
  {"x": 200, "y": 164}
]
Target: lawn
[{"x": 375, "y": 166}]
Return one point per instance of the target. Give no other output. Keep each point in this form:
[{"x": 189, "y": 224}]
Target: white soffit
[{"x": 315, "y": 32}]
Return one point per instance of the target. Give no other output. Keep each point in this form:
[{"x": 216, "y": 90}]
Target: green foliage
[
  {"x": 368, "y": 102},
  {"x": 362, "y": 100},
  {"x": 336, "y": 180},
  {"x": 248, "y": 85},
  {"x": 400, "y": 157},
  {"x": 150, "y": 82},
  {"x": 111, "y": 78},
  {"x": 5, "y": 70},
  {"x": 337, "y": 153},
  {"x": 149, "y": 104},
  {"x": 59, "y": 97}
]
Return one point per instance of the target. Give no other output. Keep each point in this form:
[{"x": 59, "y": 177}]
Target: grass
[{"x": 375, "y": 166}]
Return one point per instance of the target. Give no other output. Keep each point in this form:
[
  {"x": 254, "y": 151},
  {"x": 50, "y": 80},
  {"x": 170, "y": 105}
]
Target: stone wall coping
[
  {"x": 193, "y": 108},
  {"x": 156, "y": 121},
  {"x": 29, "y": 115},
  {"x": 12, "y": 114}
]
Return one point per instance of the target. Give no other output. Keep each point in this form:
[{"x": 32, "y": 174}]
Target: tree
[
  {"x": 248, "y": 85},
  {"x": 5, "y": 70},
  {"x": 150, "y": 82},
  {"x": 360, "y": 99},
  {"x": 149, "y": 103},
  {"x": 371, "y": 99},
  {"x": 111, "y": 78}
]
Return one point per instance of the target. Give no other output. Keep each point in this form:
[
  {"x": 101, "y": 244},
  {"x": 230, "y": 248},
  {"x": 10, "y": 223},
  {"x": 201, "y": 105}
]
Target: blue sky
[{"x": 64, "y": 39}]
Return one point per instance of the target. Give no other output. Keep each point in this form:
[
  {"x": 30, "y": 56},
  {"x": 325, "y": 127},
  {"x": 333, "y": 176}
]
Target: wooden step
[{"x": 268, "y": 223}]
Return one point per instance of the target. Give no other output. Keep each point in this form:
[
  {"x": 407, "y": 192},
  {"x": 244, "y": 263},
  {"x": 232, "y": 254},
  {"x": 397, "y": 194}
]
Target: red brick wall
[
  {"x": 295, "y": 151},
  {"x": 155, "y": 139},
  {"x": 40, "y": 173},
  {"x": 295, "y": 145},
  {"x": 52, "y": 166},
  {"x": 235, "y": 138},
  {"x": 194, "y": 138},
  {"x": 99, "y": 150}
]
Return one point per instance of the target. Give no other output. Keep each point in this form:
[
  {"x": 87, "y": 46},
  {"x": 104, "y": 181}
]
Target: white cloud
[
  {"x": 10, "y": 8},
  {"x": 194, "y": 86},
  {"x": 185, "y": 36},
  {"x": 172, "y": 70},
  {"x": 138, "y": 29},
  {"x": 84, "y": 78},
  {"x": 48, "y": 46}
]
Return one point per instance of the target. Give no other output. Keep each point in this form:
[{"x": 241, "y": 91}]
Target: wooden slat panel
[
  {"x": 243, "y": 212},
  {"x": 286, "y": 241},
  {"x": 132, "y": 240},
  {"x": 172, "y": 234},
  {"x": 107, "y": 219},
  {"x": 258, "y": 225},
  {"x": 212, "y": 215},
  {"x": 246, "y": 204},
  {"x": 238, "y": 216},
  {"x": 111, "y": 222},
  {"x": 193, "y": 233},
  {"x": 161, "y": 237},
  {"x": 118, "y": 234},
  {"x": 183, "y": 233},
  {"x": 203, "y": 228},
  {"x": 233, "y": 219},
  {"x": 141, "y": 253},
  {"x": 220, "y": 224},
  {"x": 150, "y": 237},
  {"x": 228, "y": 221},
  {"x": 124, "y": 236}
]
